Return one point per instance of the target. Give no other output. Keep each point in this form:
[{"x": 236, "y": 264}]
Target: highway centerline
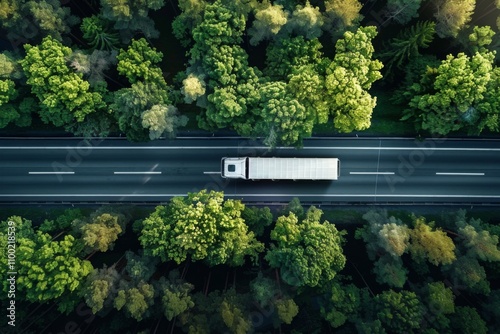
[
  {"x": 53, "y": 173},
  {"x": 136, "y": 173},
  {"x": 371, "y": 173},
  {"x": 461, "y": 174}
]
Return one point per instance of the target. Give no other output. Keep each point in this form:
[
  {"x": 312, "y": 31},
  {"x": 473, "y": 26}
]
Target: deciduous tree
[
  {"x": 452, "y": 16},
  {"x": 466, "y": 320},
  {"x": 202, "y": 226},
  {"x": 257, "y": 219},
  {"x": 348, "y": 78},
  {"x": 269, "y": 19},
  {"x": 49, "y": 269},
  {"x": 100, "y": 288},
  {"x": 399, "y": 312},
  {"x": 176, "y": 297},
  {"x": 306, "y": 21},
  {"x": 64, "y": 96},
  {"x": 433, "y": 245},
  {"x": 340, "y": 303},
  {"x": 307, "y": 252},
  {"x": 131, "y": 16},
  {"x": 341, "y": 14},
  {"x": 135, "y": 299},
  {"x": 446, "y": 97},
  {"x": 284, "y": 119},
  {"x": 101, "y": 233},
  {"x": 162, "y": 120}
]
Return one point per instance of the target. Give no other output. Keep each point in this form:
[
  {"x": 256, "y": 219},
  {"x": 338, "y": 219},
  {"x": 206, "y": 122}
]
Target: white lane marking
[
  {"x": 211, "y": 172},
  {"x": 136, "y": 172},
  {"x": 252, "y": 195},
  {"x": 248, "y": 147},
  {"x": 461, "y": 174},
  {"x": 56, "y": 173},
  {"x": 371, "y": 173}
]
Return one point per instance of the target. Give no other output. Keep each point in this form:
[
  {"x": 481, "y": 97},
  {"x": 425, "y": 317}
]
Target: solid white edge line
[
  {"x": 136, "y": 172},
  {"x": 246, "y": 147},
  {"x": 461, "y": 174},
  {"x": 371, "y": 173},
  {"x": 251, "y": 195},
  {"x": 57, "y": 173}
]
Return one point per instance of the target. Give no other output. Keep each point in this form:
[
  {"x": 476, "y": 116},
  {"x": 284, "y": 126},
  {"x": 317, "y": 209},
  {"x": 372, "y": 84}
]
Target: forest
[
  {"x": 279, "y": 70},
  {"x": 205, "y": 264}
]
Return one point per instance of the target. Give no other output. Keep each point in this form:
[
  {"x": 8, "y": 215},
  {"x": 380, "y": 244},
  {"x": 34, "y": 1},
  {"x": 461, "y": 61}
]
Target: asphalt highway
[{"x": 372, "y": 171}]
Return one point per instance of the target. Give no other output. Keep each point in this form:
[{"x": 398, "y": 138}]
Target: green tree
[
  {"x": 140, "y": 267},
  {"x": 232, "y": 310},
  {"x": 307, "y": 252},
  {"x": 399, "y": 312},
  {"x": 49, "y": 269},
  {"x": 139, "y": 62},
  {"x": 264, "y": 290},
  {"x": 162, "y": 120},
  {"x": 131, "y": 16},
  {"x": 306, "y": 21},
  {"x": 348, "y": 78},
  {"x": 403, "y": 11},
  {"x": 287, "y": 309},
  {"x": 480, "y": 38},
  {"x": 284, "y": 119},
  {"x": 191, "y": 15},
  {"x": 446, "y": 97},
  {"x": 340, "y": 303},
  {"x": 384, "y": 234},
  {"x": 435, "y": 246},
  {"x": 439, "y": 299},
  {"x": 466, "y": 320},
  {"x": 193, "y": 87},
  {"x": 295, "y": 207},
  {"x": 64, "y": 96},
  {"x": 452, "y": 16},
  {"x": 64, "y": 222},
  {"x": 341, "y": 15},
  {"x": 97, "y": 33},
  {"x": 308, "y": 86},
  {"x": 480, "y": 244},
  {"x": 101, "y": 233},
  {"x": 257, "y": 219},
  {"x": 131, "y": 103},
  {"x": 405, "y": 46},
  {"x": 390, "y": 270},
  {"x": 176, "y": 297},
  {"x": 100, "y": 287},
  {"x": 25, "y": 20},
  {"x": 93, "y": 67},
  {"x": 286, "y": 55},
  {"x": 468, "y": 274},
  {"x": 202, "y": 226},
  {"x": 135, "y": 299},
  {"x": 269, "y": 19}
]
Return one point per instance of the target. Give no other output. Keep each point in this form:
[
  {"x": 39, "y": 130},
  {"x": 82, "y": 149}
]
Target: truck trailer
[{"x": 248, "y": 168}]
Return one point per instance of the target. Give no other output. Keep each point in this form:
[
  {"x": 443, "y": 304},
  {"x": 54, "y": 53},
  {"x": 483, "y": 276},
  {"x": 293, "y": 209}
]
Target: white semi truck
[{"x": 280, "y": 168}]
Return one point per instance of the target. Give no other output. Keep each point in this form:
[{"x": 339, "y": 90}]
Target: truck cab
[{"x": 233, "y": 168}]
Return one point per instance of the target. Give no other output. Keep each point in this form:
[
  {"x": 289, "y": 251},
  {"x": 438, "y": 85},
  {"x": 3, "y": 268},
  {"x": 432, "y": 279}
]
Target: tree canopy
[
  {"x": 202, "y": 226},
  {"x": 307, "y": 252}
]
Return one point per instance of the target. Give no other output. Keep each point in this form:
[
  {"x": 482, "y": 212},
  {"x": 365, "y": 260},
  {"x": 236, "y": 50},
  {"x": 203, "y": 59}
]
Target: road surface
[{"x": 372, "y": 171}]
